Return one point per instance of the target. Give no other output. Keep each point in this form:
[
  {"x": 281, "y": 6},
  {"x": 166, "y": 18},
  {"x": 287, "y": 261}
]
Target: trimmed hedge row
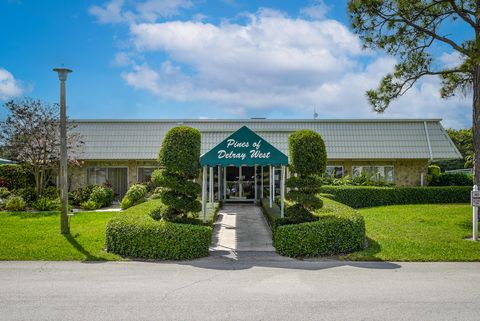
[
  {"x": 339, "y": 229},
  {"x": 369, "y": 196},
  {"x": 134, "y": 233}
]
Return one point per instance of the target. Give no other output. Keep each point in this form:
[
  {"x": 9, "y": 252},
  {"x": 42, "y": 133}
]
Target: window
[
  {"x": 375, "y": 173},
  {"x": 96, "y": 175},
  {"x": 336, "y": 171},
  {"x": 144, "y": 174}
]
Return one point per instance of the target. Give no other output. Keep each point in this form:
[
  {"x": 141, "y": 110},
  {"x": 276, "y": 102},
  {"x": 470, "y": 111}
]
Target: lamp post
[{"x": 64, "y": 228}]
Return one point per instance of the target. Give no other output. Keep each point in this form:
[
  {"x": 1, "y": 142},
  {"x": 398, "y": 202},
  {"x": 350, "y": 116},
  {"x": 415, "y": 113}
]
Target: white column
[
  {"x": 270, "y": 182},
  {"x": 282, "y": 192},
  {"x": 240, "y": 182},
  {"x": 273, "y": 183},
  {"x": 255, "y": 181},
  {"x": 421, "y": 179},
  {"x": 225, "y": 182},
  {"x": 212, "y": 199},
  {"x": 261, "y": 184},
  {"x": 204, "y": 194},
  {"x": 219, "y": 182}
]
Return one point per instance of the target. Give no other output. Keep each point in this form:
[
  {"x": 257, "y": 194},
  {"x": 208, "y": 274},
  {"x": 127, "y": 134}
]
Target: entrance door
[{"x": 240, "y": 183}]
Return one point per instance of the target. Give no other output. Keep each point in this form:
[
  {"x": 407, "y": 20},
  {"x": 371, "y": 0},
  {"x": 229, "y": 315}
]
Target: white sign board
[{"x": 475, "y": 198}]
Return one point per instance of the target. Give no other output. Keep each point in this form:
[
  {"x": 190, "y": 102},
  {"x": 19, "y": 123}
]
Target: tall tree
[
  {"x": 462, "y": 138},
  {"x": 411, "y": 30},
  {"x": 30, "y": 135}
]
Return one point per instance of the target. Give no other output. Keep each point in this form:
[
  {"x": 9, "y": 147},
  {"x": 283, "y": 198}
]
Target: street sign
[{"x": 475, "y": 198}]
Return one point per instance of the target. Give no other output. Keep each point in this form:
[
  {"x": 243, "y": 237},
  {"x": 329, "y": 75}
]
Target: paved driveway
[
  {"x": 252, "y": 286},
  {"x": 240, "y": 228}
]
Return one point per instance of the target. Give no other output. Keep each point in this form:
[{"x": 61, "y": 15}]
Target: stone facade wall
[{"x": 406, "y": 172}]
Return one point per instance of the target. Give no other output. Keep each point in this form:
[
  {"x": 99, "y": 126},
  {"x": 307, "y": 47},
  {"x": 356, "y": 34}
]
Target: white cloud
[
  {"x": 119, "y": 11},
  {"x": 9, "y": 86},
  {"x": 451, "y": 60},
  {"x": 317, "y": 10},
  {"x": 277, "y": 65}
]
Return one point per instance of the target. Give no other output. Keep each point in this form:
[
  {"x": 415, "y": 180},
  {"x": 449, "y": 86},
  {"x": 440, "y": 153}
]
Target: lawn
[
  {"x": 36, "y": 236},
  {"x": 419, "y": 233}
]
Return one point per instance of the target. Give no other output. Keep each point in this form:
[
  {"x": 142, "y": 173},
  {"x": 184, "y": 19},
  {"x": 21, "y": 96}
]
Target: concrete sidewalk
[{"x": 241, "y": 228}]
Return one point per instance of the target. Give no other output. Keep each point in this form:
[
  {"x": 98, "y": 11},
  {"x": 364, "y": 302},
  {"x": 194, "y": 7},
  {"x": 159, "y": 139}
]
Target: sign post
[{"x": 475, "y": 200}]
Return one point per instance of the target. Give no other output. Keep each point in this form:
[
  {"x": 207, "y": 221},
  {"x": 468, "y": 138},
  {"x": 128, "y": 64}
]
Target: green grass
[
  {"x": 36, "y": 236},
  {"x": 431, "y": 232}
]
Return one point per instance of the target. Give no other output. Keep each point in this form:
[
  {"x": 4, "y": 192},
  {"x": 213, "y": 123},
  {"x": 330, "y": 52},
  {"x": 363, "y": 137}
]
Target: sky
[{"x": 153, "y": 59}]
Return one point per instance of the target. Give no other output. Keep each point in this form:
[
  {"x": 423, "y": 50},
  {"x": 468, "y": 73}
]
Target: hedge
[
  {"x": 368, "y": 196},
  {"x": 339, "y": 229},
  {"x": 14, "y": 176},
  {"x": 135, "y": 234}
]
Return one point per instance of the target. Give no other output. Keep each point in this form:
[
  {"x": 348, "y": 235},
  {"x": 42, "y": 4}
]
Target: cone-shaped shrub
[
  {"x": 308, "y": 159},
  {"x": 179, "y": 158}
]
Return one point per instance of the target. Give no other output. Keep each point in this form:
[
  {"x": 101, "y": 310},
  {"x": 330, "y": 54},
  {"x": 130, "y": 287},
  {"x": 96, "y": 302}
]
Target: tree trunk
[{"x": 476, "y": 124}]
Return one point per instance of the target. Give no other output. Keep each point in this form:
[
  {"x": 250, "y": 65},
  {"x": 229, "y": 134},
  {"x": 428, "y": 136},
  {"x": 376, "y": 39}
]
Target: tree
[
  {"x": 462, "y": 138},
  {"x": 308, "y": 159},
  {"x": 179, "y": 158},
  {"x": 411, "y": 30},
  {"x": 30, "y": 135}
]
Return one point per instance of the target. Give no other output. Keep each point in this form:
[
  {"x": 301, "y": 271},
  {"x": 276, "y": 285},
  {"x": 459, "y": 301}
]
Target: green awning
[{"x": 243, "y": 147}]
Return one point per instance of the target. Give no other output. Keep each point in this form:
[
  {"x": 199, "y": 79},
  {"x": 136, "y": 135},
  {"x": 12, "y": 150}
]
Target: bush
[
  {"x": 135, "y": 194},
  {"x": 4, "y": 192},
  {"x": 28, "y": 194},
  {"x": 14, "y": 176},
  {"x": 179, "y": 157},
  {"x": 51, "y": 192},
  {"x": 15, "y": 204},
  {"x": 101, "y": 195},
  {"x": 455, "y": 179},
  {"x": 90, "y": 205},
  {"x": 338, "y": 230},
  {"x": 46, "y": 204},
  {"x": 368, "y": 196},
  {"x": 81, "y": 195},
  {"x": 135, "y": 233}
]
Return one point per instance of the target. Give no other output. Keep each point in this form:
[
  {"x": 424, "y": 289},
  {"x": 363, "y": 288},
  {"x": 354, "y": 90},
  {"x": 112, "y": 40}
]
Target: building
[{"x": 123, "y": 152}]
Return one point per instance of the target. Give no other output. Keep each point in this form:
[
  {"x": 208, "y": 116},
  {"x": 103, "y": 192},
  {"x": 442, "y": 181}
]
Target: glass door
[{"x": 240, "y": 183}]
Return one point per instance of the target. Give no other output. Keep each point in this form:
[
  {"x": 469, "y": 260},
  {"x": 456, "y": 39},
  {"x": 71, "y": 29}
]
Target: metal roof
[{"x": 117, "y": 139}]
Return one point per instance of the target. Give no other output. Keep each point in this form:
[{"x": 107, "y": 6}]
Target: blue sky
[{"x": 202, "y": 59}]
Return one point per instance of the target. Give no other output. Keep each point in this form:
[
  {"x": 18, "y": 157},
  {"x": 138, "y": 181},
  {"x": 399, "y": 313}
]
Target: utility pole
[{"x": 64, "y": 227}]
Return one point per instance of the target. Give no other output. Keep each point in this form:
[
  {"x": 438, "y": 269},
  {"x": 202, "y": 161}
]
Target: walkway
[{"x": 241, "y": 228}]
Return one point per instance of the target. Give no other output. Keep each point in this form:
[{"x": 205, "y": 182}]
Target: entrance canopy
[{"x": 243, "y": 148}]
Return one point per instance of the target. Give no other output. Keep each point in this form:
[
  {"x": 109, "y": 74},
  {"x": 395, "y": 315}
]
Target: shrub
[
  {"x": 455, "y": 179},
  {"x": 368, "y": 196},
  {"x": 338, "y": 230},
  {"x": 101, "y": 195},
  {"x": 135, "y": 233},
  {"x": 179, "y": 157},
  {"x": 135, "y": 194},
  {"x": 81, "y": 195},
  {"x": 28, "y": 194},
  {"x": 15, "y": 203},
  {"x": 90, "y": 205},
  {"x": 308, "y": 159},
  {"x": 46, "y": 204},
  {"x": 51, "y": 192},
  {"x": 14, "y": 176},
  {"x": 4, "y": 192}
]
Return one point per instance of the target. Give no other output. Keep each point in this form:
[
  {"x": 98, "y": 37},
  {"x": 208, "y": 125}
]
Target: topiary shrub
[
  {"x": 46, "y": 204},
  {"x": 179, "y": 158},
  {"x": 134, "y": 233},
  {"x": 135, "y": 194},
  {"x": 339, "y": 229},
  {"x": 308, "y": 159},
  {"x": 15, "y": 203}
]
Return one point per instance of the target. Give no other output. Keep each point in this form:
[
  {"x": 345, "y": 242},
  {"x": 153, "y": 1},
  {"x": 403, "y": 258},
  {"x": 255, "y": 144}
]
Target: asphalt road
[{"x": 253, "y": 286}]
